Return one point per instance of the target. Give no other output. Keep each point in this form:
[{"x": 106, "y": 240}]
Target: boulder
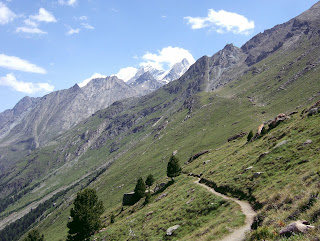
[
  {"x": 313, "y": 111},
  {"x": 206, "y": 162},
  {"x": 300, "y": 226},
  {"x": 257, "y": 174},
  {"x": 263, "y": 155},
  {"x": 307, "y": 142},
  {"x": 162, "y": 196},
  {"x": 197, "y": 155},
  {"x": 159, "y": 187},
  {"x": 237, "y": 136},
  {"x": 172, "y": 229},
  {"x": 279, "y": 118}
]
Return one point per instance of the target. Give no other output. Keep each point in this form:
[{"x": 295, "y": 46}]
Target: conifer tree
[
  {"x": 85, "y": 216},
  {"x": 173, "y": 168},
  {"x": 149, "y": 181},
  {"x": 34, "y": 235},
  {"x": 250, "y": 135},
  {"x": 112, "y": 218},
  {"x": 140, "y": 189}
]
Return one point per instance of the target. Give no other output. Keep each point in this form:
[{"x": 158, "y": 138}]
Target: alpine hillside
[{"x": 204, "y": 118}]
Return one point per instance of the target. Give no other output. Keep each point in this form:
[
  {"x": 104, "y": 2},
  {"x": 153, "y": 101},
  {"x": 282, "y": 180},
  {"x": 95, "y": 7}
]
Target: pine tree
[
  {"x": 173, "y": 168},
  {"x": 85, "y": 215},
  {"x": 149, "y": 181},
  {"x": 34, "y": 235},
  {"x": 250, "y": 135},
  {"x": 140, "y": 189},
  {"x": 112, "y": 218}
]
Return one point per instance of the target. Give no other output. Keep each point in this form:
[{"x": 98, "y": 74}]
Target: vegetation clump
[
  {"x": 173, "y": 168},
  {"x": 140, "y": 189},
  {"x": 85, "y": 215},
  {"x": 34, "y": 235},
  {"x": 149, "y": 181}
]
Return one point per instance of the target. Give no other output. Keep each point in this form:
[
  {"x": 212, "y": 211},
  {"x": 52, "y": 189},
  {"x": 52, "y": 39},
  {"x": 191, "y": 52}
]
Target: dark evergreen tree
[
  {"x": 112, "y": 218},
  {"x": 250, "y": 135},
  {"x": 140, "y": 189},
  {"x": 85, "y": 216},
  {"x": 173, "y": 168},
  {"x": 149, "y": 181},
  {"x": 34, "y": 235}
]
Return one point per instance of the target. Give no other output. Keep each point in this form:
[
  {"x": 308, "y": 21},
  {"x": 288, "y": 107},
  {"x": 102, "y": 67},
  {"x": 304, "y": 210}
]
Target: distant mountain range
[
  {"x": 34, "y": 122},
  {"x": 55, "y": 142}
]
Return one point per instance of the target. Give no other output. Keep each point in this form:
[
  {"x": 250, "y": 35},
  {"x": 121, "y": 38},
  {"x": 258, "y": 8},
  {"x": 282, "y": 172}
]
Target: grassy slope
[{"x": 220, "y": 114}]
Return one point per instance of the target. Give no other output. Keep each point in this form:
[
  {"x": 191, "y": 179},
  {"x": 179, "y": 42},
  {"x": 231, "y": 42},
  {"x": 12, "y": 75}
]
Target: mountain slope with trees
[{"x": 199, "y": 111}]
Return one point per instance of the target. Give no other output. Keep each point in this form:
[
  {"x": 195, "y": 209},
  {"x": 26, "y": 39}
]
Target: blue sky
[{"x": 48, "y": 45}]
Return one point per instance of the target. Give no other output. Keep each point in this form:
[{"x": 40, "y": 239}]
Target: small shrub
[{"x": 262, "y": 233}]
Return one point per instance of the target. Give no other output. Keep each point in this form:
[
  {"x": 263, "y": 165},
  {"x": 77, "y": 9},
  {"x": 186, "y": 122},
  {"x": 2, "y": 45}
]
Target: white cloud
[
  {"x": 87, "y": 26},
  {"x": 72, "y": 31},
  {"x": 6, "y": 15},
  {"x": 25, "y": 87},
  {"x": 44, "y": 16},
  {"x": 222, "y": 22},
  {"x": 31, "y": 23},
  {"x": 83, "y": 18},
  {"x": 68, "y": 2},
  {"x": 167, "y": 56},
  {"x": 126, "y": 73},
  {"x": 15, "y": 63},
  {"x": 164, "y": 60},
  {"x": 94, "y": 76},
  {"x": 31, "y": 30}
]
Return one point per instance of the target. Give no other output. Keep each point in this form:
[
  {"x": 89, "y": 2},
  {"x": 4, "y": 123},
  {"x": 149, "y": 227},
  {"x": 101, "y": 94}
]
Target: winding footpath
[{"x": 239, "y": 233}]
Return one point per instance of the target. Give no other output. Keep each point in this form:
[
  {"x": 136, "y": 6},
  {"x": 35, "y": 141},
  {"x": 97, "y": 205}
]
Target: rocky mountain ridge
[{"x": 111, "y": 132}]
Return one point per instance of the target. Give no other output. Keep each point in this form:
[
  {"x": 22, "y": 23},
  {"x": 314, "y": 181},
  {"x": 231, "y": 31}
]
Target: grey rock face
[
  {"x": 9, "y": 118},
  {"x": 37, "y": 121},
  {"x": 146, "y": 83}
]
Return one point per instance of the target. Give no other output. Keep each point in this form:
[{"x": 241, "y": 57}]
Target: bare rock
[
  {"x": 307, "y": 142},
  {"x": 162, "y": 196},
  {"x": 257, "y": 174},
  {"x": 237, "y": 136},
  {"x": 172, "y": 229},
  {"x": 281, "y": 143},
  {"x": 197, "y": 155},
  {"x": 206, "y": 162},
  {"x": 159, "y": 186},
  {"x": 263, "y": 155},
  {"x": 300, "y": 226}
]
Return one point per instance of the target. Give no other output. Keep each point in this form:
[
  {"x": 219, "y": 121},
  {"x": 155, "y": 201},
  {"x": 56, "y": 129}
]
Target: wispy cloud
[
  {"x": 83, "y": 18},
  {"x": 43, "y": 16},
  {"x": 68, "y": 2},
  {"x": 72, "y": 31},
  {"x": 32, "y": 23},
  {"x": 222, "y": 22},
  {"x": 6, "y": 15},
  {"x": 15, "y": 63},
  {"x": 87, "y": 26},
  {"x": 31, "y": 30},
  {"x": 25, "y": 87}
]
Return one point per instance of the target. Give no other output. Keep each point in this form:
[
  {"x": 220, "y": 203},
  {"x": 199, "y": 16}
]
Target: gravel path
[{"x": 239, "y": 233}]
